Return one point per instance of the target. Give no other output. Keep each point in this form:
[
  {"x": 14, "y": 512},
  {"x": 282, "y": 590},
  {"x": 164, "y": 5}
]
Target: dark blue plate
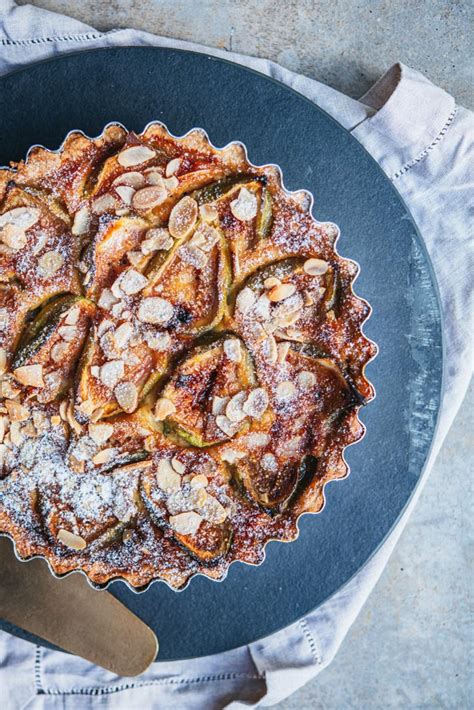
[{"x": 42, "y": 103}]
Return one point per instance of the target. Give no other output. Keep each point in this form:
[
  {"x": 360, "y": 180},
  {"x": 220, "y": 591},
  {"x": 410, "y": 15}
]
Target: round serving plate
[{"x": 135, "y": 85}]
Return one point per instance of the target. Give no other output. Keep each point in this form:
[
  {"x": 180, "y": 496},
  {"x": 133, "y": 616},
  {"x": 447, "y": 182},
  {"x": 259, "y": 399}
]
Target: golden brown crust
[{"x": 182, "y": 357}]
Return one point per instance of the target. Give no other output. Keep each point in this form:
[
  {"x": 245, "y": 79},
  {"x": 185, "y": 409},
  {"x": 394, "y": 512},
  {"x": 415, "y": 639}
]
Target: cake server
[{"x": 70, "y": 614}]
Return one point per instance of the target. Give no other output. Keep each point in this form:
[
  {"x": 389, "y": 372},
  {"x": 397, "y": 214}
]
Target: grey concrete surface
[
  {"x": 411, "y": 646},
  {"x": 344, "y": 43}
]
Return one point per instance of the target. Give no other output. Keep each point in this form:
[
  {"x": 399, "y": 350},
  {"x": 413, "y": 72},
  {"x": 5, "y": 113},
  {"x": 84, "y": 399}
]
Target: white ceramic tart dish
[{"x": 181, "y": 353}]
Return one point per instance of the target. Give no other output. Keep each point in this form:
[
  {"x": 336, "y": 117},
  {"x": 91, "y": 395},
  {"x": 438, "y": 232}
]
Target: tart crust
[{"x": 181, "y": 353}]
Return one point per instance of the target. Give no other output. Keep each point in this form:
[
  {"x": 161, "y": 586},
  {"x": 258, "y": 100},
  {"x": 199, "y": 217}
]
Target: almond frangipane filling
[{"x": 181, "y": 357}]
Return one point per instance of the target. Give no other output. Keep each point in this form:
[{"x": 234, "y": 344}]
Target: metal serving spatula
[{"x": 73, "y": 616}]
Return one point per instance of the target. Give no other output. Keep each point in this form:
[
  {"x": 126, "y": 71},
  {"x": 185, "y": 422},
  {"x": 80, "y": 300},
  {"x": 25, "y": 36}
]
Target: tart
[{"x": 181, "y": 354}]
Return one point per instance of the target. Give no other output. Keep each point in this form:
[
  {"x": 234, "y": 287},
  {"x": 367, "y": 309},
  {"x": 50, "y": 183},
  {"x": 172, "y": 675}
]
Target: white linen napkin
[{"x": 424, "y": 143}]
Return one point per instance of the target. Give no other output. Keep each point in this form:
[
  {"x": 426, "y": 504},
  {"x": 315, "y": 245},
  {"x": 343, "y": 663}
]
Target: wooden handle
[{"x": 70, "y": 614}]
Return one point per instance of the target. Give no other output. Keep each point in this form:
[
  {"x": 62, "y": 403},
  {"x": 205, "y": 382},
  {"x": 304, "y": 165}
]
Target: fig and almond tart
[{"x": 181, "y": 357}]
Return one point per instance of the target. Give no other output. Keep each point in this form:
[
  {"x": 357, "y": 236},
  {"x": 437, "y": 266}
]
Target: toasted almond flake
[
  {"x": 30, "y": 375},
  {"x": 233, "y": 349},
  {"x": 68, "y": 333},
  {"x": 97, "y": 414},
  {"x": 171, "y": 183},
  {"x": 132, "y": 282},
  {"x": 100, "y": 433},
  {"x": 185, "y": 523},
  {"x": 122, "y": 335},
  {"x": 131, "y": 179},
  {"x": 225, "y": 425},
  {"x": 3, "y": 421},
  {"x": 287, "y": 319},
  {"x": 199, "y": 481},
  {"x": 183, "y": 217},
  {"x": 108, "y": 345},
  {"x": 16, "y": 434},
  {"x": 279, "y": 293},
  {"x": 306, "y": 379},
  {"x": 104, "y": 456},
  {"x": 22, "y": 217},
  {"x": 156, "y": 239},
  {"x": 154, "y": 177},
  {"x": 135, "y": 155},
  {"x": 104, "y": 203},
  {"x": 17, "y": 412},
  {"x": 126, "y": 394},
  {"x": 4, "y": 318},
  {"x": 219, "y": 404},
  {"x": 69, "y": 539},
  {"x": 13, "y": 237},
  {"x": 256, "y": 403},
  {"x": 149, "y": 197},
  {"x": 257, "y": 332},
  {"x": 308, "y": 300},
  {"x": 244, "y": 208},
  {"x": 58, "y": 351},
  {"x": 72, "y": 316},
  {"x": 262, "y": 307},
  {"x": 205, "y": 237},
  {"x": 71, "y": 419},
  {"x": 172, "y": 167},
  {"x": 193, "y": 256},
  {"x": 135, "y": 257},
  {"x": 315, "y": 267},
  {"x": 159, "y": 342},
  {"x": 268, "y": 462},
  {"x": 233, "y": 410},
  {"x": 232, "y": 455},
  {"x": 125, "y": 192},
  {"x": 7, "y": 389},
  {"x": 111, "y": 372},
  {"x": 166, "y": 477},
  {"x": 82, "y": 221},
  {"x": 50, "y": 263},
  {"x": 271, "y": 281},
  {"x": 245, "y": 300},
  {"x": 3, "y": 360},
  {"x": 163, "y": 408},
  {"x": 178, "y": 465},
  {"x": 213, "y": 511},
  {"x": 76, "y": 465},
  {"x": 283, "y": 351},
  {"x": 269, "y": 349},
  {"x": 285, "y": 390},
  {"x": 63, "y": 407},
  {"x": 87, "y": 406},
  {"x": 155, "y": 310},
  {"x": 208, "y": 213}
]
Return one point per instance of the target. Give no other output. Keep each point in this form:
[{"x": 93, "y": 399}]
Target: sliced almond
[
  {"x": 183, "y": 217},
  {"x": 154, "y": 176},
  {"x": 156, "y": 239},
  {"x": 268, "y": 462},
  {"x": 126, "y": 394},
  {"x": 63, "y": 407},
  {"x": 244, "y": 208},
  {"x": 131, "y": 179},
  {"x": 233, "y": 349},
  {"x": 135, "y": 258},
  {"x": 3, "y": 361},
  {"x": 199, "y": 481},
  {"x": 13, "y": 237},
  {"x": 308, "y": 300},
  {"x": 104, "y": 456},
  {"x": 50, "y": 263},
  {"x": 171, "y": 183},
  {"x": 256, "y": 403},
  {"x": 30, "y": 375},
  {"x": 208, "y": 213},
  {"x": 269, "y": 349},
  {"x": 159, "y": 342},
  {"x": 172, "y": 167},
  {"x": 185, "y": 523},
  {"x": 155, "y": 310},
  {"x": 104, "y": 203},
  {"x": 87, "y": 406},
  {"x": 213, "y": 511},
  {"x": 283, "y": 350},
  {"x": 68, "y": 333},
  {"x": 69, "y": 539},
  {"x": 229, "y": 428},
  {"x": 126, "y": 193},
  {"x": 271, "y": 281},
  {"x": 178, "y": 465},
  {"x": 245, "y": 300},
  {"x": 111, "y": 372},
  {"x": 135, "y": 155},
  {"x": 122, "y": 335},
  {"x": 219, "y": 404},
  {"x": 82, "y": 221},
  {"x": 17, "y": 412},
  {"x": 7, "y": 389},
  {"x": 285, "y": 390},
  {"x": 22, "y": 217},
  {"x": 315, "y": 267},
  {"x": 163, "y": 408},
  {"x": 72, "y": 316},
  {"x": 59, "y": 351},
  {"x": 167, "y": 478},
  {"x": 100, "y": 433},
  {"x": 71, "y": 419},
  {"x": 149, "y": 197},
  {"x": 107, "y": 299},
  {"x": 132, "y": 282},
  {"x": 306, "y": 379},
  {"x": 280, "y": 292},
  {"x": 232, "y": 455},
  {"x": 233, "y": 410}
]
